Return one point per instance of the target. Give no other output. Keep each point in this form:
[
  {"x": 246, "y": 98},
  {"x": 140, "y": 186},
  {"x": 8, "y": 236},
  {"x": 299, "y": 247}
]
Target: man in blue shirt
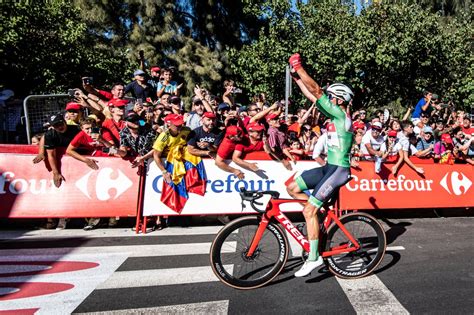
[{"x": 422, "y": 106}]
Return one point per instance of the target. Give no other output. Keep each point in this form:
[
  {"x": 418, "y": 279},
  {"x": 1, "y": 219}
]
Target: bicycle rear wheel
[
  {"x": 230, "y": 262},
  {"x": 371, "y": 237}
]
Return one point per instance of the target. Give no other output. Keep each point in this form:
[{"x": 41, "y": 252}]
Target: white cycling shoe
[{"x": 309, "y": 266}]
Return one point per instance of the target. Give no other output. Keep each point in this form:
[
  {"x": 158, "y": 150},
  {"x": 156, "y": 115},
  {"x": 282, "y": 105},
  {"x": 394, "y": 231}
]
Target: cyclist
[{"x": 335, "y": 173}]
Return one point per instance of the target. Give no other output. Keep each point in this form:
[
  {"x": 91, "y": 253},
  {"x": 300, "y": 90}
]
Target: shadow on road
[{"x": 395, "y": 229}]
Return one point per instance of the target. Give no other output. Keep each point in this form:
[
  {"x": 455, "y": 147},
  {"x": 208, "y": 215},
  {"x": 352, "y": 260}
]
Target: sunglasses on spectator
[
  {"x": 392, "y": 137},
  {"x": 255, "y": 109},
  {"x": 73, "y": 111}
]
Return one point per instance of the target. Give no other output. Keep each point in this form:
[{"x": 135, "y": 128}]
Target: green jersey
[{"x": 339, "y": 132}]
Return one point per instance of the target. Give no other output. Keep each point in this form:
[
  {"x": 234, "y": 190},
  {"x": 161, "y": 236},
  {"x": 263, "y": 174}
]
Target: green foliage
[
  {"x": 44, "y": 48},
  {"x": 400, "y": 49}
]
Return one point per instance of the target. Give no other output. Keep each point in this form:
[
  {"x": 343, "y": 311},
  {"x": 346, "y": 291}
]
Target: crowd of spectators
[{"x": 145, "y": 118}]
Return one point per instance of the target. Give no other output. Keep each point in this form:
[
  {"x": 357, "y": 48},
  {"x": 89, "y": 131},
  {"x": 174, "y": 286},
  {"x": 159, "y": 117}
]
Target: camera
[
  {"x": 110, "y": 150},
  {"x": 236, "y": 90},
  {"x": 87, "y": 80},
  {"x": 71, "y": 92}
]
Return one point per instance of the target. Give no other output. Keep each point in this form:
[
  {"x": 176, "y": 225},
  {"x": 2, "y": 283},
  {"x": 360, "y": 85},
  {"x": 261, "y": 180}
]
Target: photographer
[{"x": 229, "y": 91}]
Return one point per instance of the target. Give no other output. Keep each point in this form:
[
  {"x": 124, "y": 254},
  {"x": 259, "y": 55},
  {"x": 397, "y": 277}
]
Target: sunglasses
[{"x": 73, "y": 111}]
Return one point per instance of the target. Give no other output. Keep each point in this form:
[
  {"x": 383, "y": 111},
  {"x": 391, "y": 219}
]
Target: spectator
[
  {"x": 194, "y": 119},
  {"x": 164, "y": 100},
  {"x": 303, "y": 115},
  {"x": 112, "y": 126},
  {"x": 253, "y": 143},
  {"x": 59, "y": 136},
  {"x": 176, "y": 135},
  {"x": 73, "y": 113},
  {"x": 233, "y": 136},
  {"x": 422, "y": 107},
  {"x": 295, "y": 151},
  {"x": 228, "y": 96},
  {"x": 167, "y": 85},
  {"x": 443, "y": 150},
  {"x": 204, "y": 140},
  {"x": 404, "y": 149},
  {"x": 176, "y": 107},
  {"x": 277, "y": 142},
  {"x": 467, "y": 128},
  {"x": 461, "y": 144},
  {"x": 307, "y": 138},
  {"x": 139, "y": 87},
  {"x": 35, "y": 140},
  {"x": 136, "y": 141},
  {"x": 422, "y": 123},
  {"x": 89, "y": 142},
  {"x": 425, "y": 143},
  {"x": 155, "y": 77},
  {"x": 371, "y": 146},
  {"x": 390, "y": 148},
  {"x": 439, "y": 129}
]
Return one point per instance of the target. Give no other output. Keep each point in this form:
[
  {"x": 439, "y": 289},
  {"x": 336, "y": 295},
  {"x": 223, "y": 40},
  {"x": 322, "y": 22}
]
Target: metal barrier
[{"x": 38, "y": 108}]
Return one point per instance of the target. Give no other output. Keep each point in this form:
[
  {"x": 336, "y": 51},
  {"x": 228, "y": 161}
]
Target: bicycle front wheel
[
  {"x": 229, "y": 259},
  {"x": 370, "y": 235}
]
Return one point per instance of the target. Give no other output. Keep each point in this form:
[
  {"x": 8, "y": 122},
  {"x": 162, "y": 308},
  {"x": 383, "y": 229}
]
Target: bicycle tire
[
  {"x": 371, "y": 236},
  {"x": 232, "y": 267}
]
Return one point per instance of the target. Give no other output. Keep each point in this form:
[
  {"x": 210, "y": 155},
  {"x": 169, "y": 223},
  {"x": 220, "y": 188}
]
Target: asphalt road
[{"x": 427, "y": 269}]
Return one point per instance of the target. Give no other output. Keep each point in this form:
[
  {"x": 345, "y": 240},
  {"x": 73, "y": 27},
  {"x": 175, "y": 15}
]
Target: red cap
[
  {"x": 73, "y": 106},
  {"x": 174, "y": 119},
  {"x": 233, "y": 131},
  {"x": 272, "y": 117},
  {"x": 392, "y": 133},
  {"x": 255, "y": 127},
  {"x": 446, "y": 138},
  {"x": 210, "y": 115},
  {"x": 117, "y": 102},
  {"x": 358, "y": 125},
  {"x": 156, "y": 69}
]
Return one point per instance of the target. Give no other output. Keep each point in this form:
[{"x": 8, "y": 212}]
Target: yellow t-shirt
[{"x": 165, "y": 141}]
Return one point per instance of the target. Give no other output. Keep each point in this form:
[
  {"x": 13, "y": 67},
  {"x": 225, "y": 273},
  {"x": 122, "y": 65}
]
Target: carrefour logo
[
  {"x": 104, "y": 182},
  {"x": 454, "y": 182},
  {"x": 230, "y": 184}
]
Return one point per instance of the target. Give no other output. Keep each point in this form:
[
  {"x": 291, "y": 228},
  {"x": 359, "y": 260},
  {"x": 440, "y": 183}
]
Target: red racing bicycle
[{"x": 251, "y": 251}]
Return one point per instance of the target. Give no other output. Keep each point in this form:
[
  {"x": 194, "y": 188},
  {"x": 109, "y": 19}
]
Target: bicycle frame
[{"x": 273, "y": 211}]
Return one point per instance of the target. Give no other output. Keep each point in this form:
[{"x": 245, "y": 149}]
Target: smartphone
[
  {"x": 71, "y": 92},
  {"x": 110, "y": 150},
  {"x": 95, "y": 130}
]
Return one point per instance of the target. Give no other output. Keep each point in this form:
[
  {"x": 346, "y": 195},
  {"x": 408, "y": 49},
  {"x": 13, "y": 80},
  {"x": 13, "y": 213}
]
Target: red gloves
[{"x": 295, "y": 61}]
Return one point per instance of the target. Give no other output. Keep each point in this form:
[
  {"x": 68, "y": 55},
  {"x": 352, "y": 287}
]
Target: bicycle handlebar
[{"x": 253, "y": 195}]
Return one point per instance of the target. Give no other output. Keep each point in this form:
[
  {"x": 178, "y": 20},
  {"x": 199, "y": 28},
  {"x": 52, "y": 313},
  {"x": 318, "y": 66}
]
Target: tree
[{"x": 44, "y": 48}]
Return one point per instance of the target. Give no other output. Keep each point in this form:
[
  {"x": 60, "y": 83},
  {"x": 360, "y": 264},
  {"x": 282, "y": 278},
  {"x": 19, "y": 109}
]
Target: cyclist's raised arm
[{"x": 312, "y": 86}]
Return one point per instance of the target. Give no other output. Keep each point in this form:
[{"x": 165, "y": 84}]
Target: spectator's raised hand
[{"x": 419, "y": 170}]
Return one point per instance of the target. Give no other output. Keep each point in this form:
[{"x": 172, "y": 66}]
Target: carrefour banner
[
  {"x": 441, "y": 186},
  {"x": 222, "y": 192},
  {"x": 27, "y": 190}
]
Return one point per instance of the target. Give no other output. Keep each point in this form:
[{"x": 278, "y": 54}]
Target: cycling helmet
[{"x": 341, "y": 91}]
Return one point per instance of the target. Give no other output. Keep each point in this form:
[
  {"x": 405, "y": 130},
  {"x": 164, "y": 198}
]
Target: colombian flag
[{"x": 188, "y": 175}]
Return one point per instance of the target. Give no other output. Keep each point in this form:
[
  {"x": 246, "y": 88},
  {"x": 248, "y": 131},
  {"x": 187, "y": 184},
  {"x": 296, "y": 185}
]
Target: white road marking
[
  {"x": 155, "y": 277},
  {"x": 131, "y": 250},
  {"x": 205, "y": 308},
  {"x": 370, "y": 296},
  {"x": 394, "y": 248},
  {"x": 84, "y": 281}
]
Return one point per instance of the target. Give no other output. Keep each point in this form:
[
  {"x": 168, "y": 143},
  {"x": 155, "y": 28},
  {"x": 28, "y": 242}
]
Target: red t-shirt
[
  {"x": 247, "y": 147},
  {"x": 87, "y": 145},
  {"x": 106, "y": 95},
  {"x": 468, "y": 131},
  {"x": 226, "y": 149},
  {"x": 111, "y": 130}
]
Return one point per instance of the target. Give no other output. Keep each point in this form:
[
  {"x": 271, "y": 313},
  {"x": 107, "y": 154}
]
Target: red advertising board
[
  {"x": 441, "y": 186},
  {"x": 27, "y": 190}
]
